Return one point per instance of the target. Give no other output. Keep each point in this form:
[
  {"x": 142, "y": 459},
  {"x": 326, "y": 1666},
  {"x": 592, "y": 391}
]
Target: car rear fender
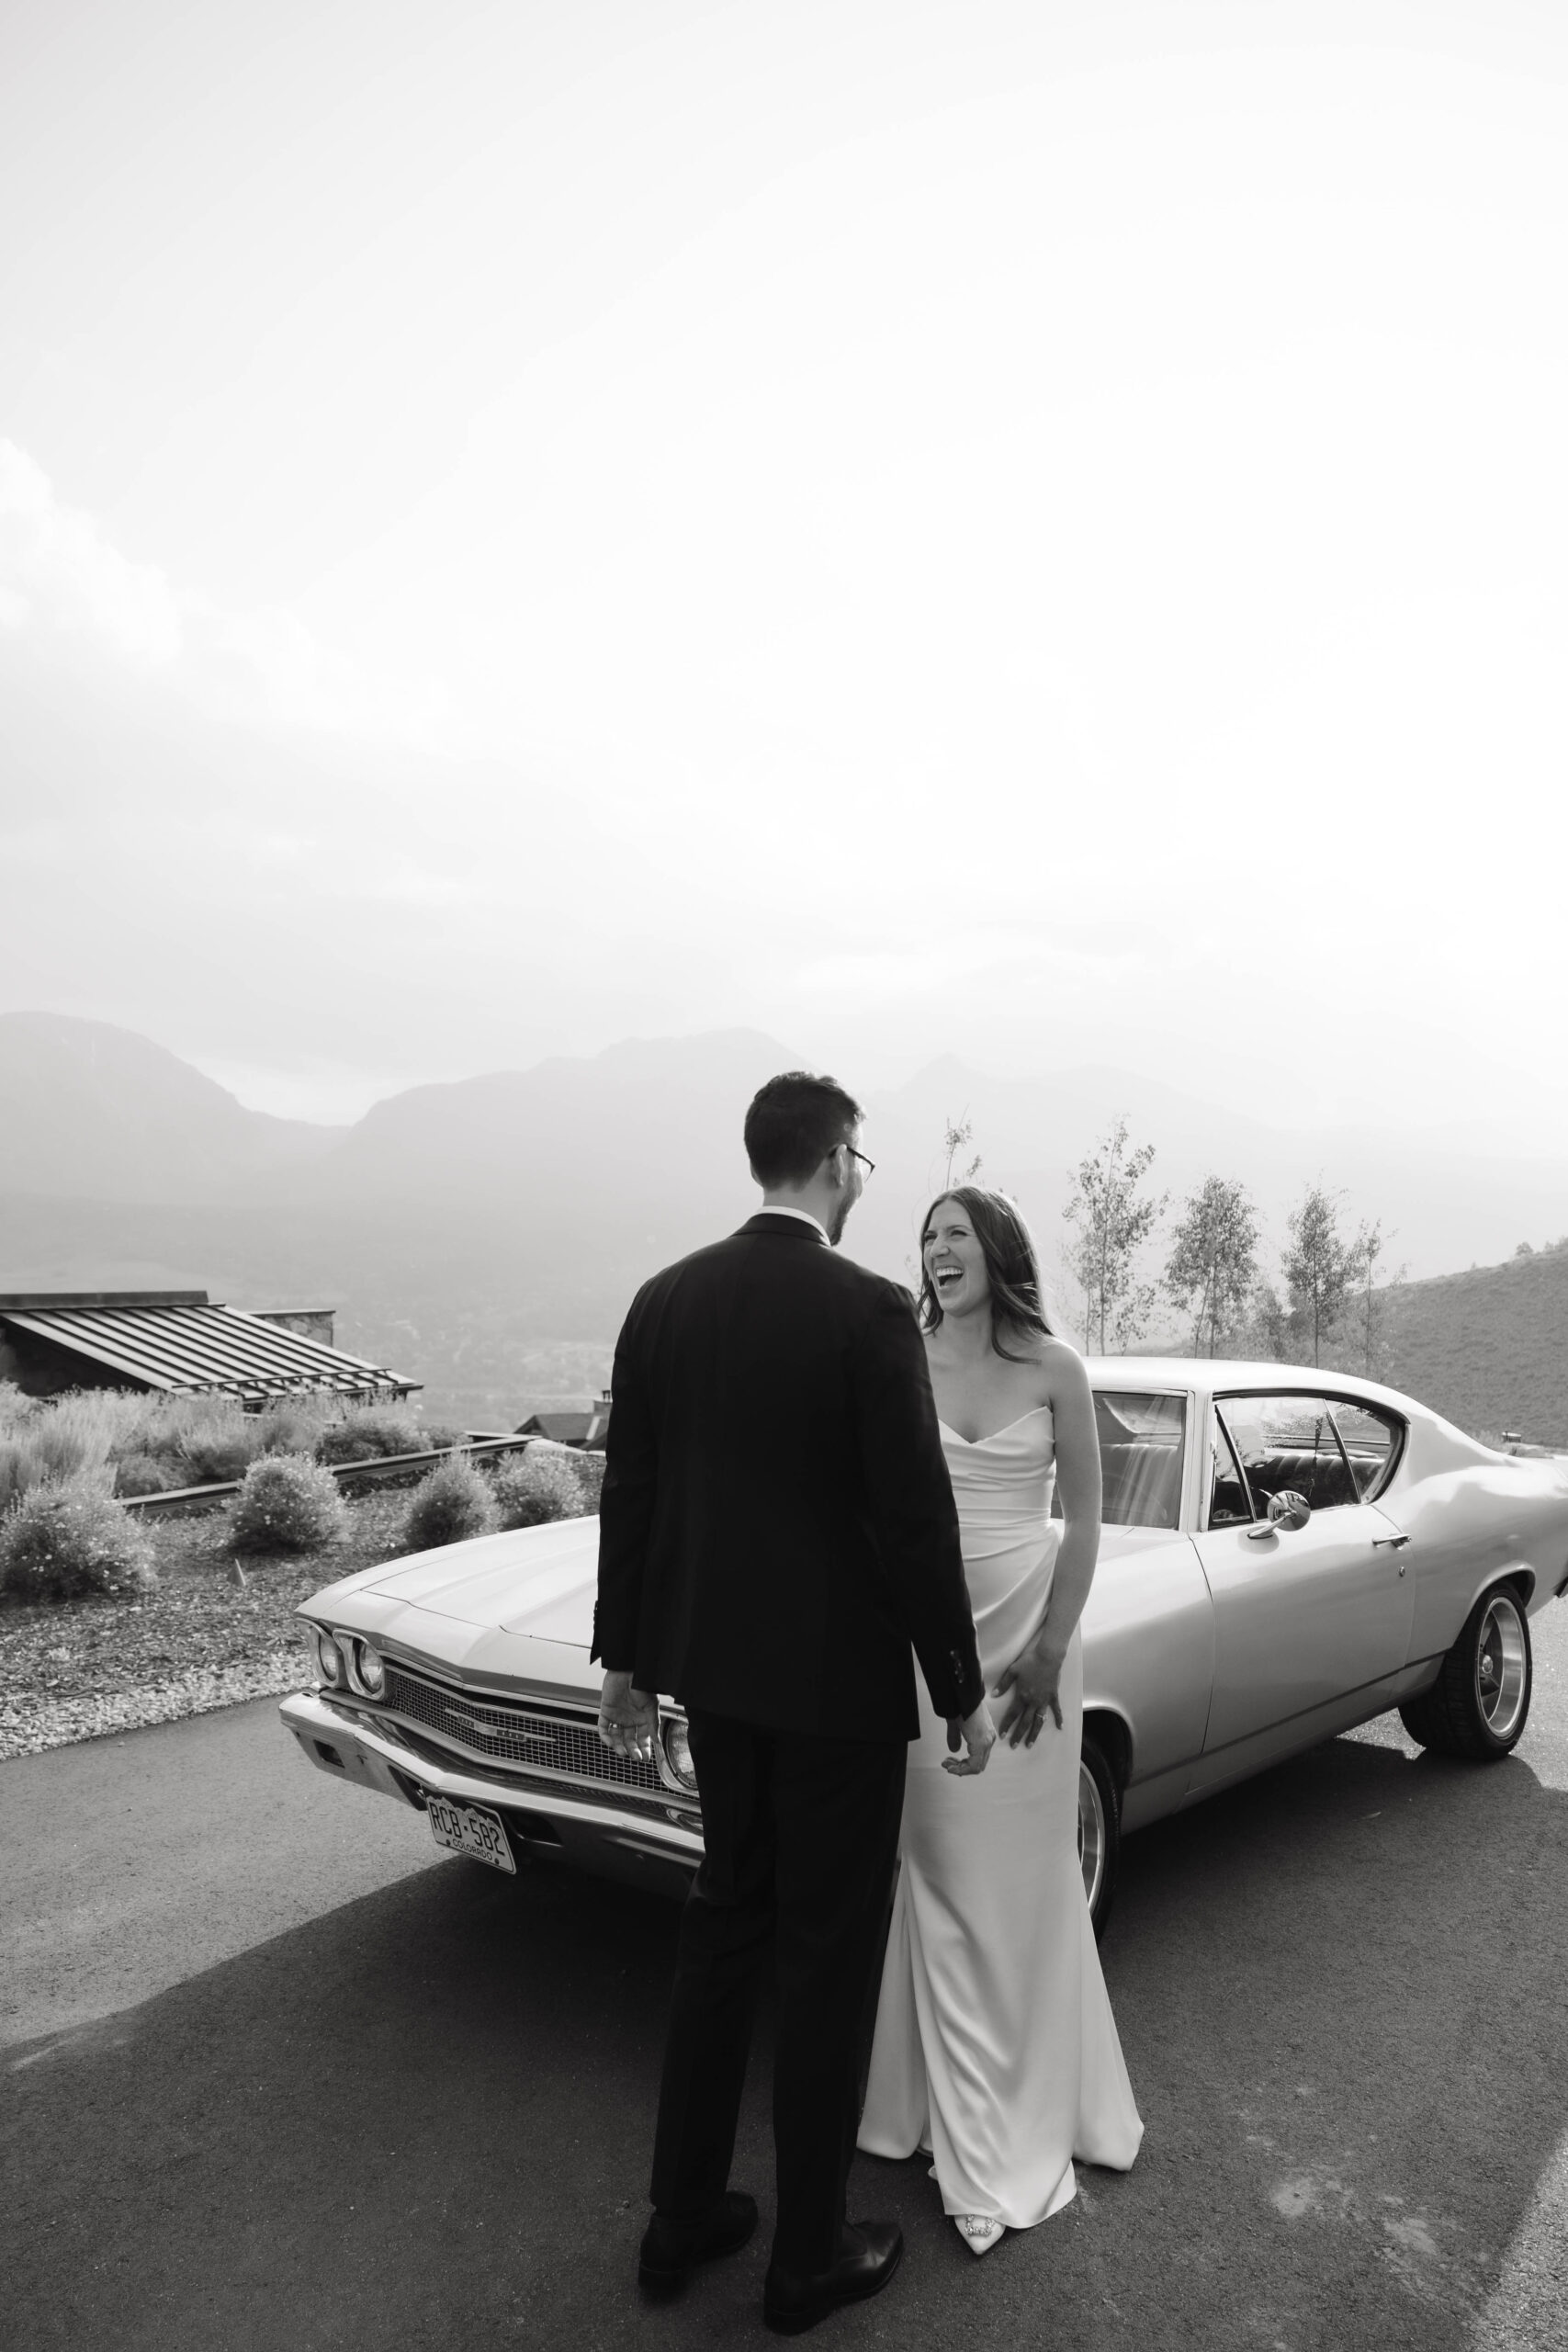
[
  {"x": 1534, "y": 1592},
  {"x": 1114, "y": 1734}
]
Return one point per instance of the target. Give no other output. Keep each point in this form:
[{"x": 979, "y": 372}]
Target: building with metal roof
[
  {"x": 180, "y": 1342},
  {"x": 586, "y": 1431}
]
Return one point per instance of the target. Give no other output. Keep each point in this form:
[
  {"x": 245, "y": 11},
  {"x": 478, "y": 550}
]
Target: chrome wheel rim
[
  {"x": 1092, "y": 1833},
  {"x": 1500, "y": 1667}
]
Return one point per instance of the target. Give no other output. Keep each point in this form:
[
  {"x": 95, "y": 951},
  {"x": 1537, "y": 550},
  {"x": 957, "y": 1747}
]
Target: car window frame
[
  {"x": 1333, "y": 1398},
  {"x": 1206, "y": 1484},
  {"x": 1189, "y": 1501}
]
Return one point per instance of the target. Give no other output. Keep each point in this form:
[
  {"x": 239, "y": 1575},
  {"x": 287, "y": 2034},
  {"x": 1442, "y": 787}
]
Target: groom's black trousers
[{"x": 801, "y": 1836}]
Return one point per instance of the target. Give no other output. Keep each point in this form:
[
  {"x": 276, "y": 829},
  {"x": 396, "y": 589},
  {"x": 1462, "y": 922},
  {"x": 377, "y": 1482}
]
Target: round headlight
[
  {"x": 372, "y": 1673},
  {"x": 329, "y": 1658},
  {"x": 678, "y": 1752}
]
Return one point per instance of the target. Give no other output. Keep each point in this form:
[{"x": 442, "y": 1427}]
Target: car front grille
[
  {"x": 514, "y": 1780},
  {"x": 534, "y": 1738}
]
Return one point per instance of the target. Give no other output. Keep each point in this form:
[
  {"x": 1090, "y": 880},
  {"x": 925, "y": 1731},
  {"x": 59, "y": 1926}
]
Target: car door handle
[{"x": 1394, "y": 1543}]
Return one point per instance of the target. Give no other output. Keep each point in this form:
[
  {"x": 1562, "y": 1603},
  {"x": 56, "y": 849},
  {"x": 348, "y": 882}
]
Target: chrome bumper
[{"x": 592, "y": 1832}]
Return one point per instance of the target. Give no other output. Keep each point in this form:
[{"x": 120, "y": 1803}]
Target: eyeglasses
[{"x": 869, "y": 1165}]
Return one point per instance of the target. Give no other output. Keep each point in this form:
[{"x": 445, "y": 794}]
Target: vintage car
[{"x": 1286, "y": 1554}]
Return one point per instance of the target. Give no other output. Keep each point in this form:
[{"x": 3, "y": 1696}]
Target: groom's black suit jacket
[{"x": 777, "y": 1527}]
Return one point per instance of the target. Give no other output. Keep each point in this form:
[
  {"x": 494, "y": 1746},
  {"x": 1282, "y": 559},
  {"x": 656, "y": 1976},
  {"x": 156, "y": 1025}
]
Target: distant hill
[
  {"x": 97, "y": 1113},
  {"x": 1488, "y": 1348},
  {"x": 486, "y": 1236},
  {"x": 642, "y": 1137}
]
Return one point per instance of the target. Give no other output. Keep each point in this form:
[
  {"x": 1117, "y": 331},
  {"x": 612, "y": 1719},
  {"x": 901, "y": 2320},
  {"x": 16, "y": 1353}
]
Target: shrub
[
  {"x": 223, "y": 1445},
  {"x": 46, "y": 1452},
  {"x": 61, "y": 1541},
  {"x": 14, "y": 1482},
  {"x": 16, "y": 1406},
  {"x": 294, "y": 1424},
  {"x": 370, "y": 1434},
  {"x": 288, "y": 1503},
  {"x": 543, "y": 1485},
  {"x": 590, "y": 1468},
  {"x": 148, "y": 1473},
  {"x": 453, "y": 1503},
  {"x": 66, "y": 1443}
]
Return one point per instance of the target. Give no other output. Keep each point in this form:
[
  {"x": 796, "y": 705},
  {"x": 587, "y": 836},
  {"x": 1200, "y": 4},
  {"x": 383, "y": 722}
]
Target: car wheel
[
  {"x": 1481, "y": 1700},
  {"x": 1099, "y": 1830}
]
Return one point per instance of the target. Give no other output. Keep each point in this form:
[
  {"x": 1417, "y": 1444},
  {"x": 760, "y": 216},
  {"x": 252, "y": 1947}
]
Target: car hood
[{"x": 535, "y": 1581}]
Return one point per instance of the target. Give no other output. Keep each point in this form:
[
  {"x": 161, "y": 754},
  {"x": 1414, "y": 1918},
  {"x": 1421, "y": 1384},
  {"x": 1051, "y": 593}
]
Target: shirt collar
[{"x": 775, "y": 1208}]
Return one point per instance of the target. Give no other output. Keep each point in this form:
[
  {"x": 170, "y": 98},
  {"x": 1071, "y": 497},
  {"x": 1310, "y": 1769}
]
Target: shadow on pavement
[{"x": 423, "y": 2120}]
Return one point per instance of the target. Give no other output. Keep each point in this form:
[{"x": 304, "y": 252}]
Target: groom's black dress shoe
[
  {"x": 672, "y": 2250},
  {"x": 869, "y": 2256}
]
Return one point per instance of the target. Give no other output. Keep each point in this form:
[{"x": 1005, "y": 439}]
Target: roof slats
[{"x": 203, "y": 1349}]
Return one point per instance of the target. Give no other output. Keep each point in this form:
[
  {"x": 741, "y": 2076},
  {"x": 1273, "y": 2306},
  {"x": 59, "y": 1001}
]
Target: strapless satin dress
[{"x": 995, "y": 2045}]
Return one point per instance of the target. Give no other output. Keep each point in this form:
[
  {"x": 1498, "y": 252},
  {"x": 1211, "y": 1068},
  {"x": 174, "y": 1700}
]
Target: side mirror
[{"x": 1286, "y": 1509}]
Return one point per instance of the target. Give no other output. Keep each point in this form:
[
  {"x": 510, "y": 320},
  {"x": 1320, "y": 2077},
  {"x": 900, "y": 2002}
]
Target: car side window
[
  {"x": 1372, "y": 1440},
  {"x": 1229, "y": 1502},
  {"x": 1143, "y": 1440},
  {"x": 1289, "y": 1444}
]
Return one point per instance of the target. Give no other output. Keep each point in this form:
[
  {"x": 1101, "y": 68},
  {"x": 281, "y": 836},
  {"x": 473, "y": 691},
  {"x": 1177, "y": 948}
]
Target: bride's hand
[{"x": 1031, "y": 1685}]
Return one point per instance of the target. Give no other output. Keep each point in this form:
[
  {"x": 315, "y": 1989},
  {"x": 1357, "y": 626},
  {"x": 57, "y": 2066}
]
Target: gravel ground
[{"x": 75, "y": 1669}]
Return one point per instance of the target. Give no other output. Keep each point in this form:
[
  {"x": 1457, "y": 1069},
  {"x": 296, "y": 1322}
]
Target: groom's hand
[
  {"x": 979, "y": 1734},
  {"x": 628, "y": 1719}
]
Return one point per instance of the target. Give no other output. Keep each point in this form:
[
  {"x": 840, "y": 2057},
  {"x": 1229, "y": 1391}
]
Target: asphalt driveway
[{"x": 277, "y": 2076}]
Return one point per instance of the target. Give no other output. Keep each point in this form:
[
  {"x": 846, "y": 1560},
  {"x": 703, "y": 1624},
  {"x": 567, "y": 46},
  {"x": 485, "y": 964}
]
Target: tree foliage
[
  {"x": 1368, "y": 1302},
  {"x": 959, "y": 1135},
  {"x": 1114, "y": 1221},
  {"x": 1319, "y": 1266},
  {"x": 1213, "y": 1258}
]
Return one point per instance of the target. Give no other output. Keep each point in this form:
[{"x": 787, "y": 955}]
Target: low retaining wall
[{"x": 385, "y": 1470}]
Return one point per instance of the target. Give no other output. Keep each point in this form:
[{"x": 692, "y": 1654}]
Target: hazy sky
[{"x": 1037, "y": 530}]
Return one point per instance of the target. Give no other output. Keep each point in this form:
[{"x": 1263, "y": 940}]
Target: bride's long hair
[{"x": 1013, "y": 1269}]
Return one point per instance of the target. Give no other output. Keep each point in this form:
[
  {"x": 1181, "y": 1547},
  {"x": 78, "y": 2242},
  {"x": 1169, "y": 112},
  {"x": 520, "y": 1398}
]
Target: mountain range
[{"x": 486, "y": 1233}]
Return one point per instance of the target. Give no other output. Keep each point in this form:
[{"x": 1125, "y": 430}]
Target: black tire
[
  {"x": 1480, "y": 1703},
  {"x": 1099, "y": 1829}
]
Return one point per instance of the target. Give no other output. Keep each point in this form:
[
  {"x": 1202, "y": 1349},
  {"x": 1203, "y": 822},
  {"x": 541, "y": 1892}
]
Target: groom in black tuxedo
[{"x": 776, "y": 1531}]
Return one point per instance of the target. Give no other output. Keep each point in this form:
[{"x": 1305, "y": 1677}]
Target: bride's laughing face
[{"x": 955, "y": 1261}]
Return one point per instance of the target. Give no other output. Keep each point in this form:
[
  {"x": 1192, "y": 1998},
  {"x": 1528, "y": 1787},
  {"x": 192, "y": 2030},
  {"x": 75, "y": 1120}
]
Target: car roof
[{"x": 1217, "y": 1375}]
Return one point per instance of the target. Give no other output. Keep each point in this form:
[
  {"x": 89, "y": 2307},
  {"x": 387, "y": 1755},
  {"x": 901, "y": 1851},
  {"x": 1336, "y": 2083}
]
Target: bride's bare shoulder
[{"x": 1062, "y": 1366}]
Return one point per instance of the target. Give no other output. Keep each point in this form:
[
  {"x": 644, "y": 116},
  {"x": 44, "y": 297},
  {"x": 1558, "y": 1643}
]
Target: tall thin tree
[
  {"x": 1318, "y": 1265},
  {"x": 1372, "y": 1295},
  {"x": 1213, "y": 1257},
  {"x": 1113, "y": 1222}
]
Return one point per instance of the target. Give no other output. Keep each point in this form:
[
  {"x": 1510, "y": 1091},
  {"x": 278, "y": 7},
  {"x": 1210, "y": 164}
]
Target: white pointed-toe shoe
[{"x": 978, "y": 2234}]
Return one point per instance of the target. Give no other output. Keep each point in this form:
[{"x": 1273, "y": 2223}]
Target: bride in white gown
[{"x": 994, "y": 2046}]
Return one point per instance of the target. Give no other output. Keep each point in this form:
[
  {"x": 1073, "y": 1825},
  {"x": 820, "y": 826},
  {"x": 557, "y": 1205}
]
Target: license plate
[{"x": 470, "y": 1829}]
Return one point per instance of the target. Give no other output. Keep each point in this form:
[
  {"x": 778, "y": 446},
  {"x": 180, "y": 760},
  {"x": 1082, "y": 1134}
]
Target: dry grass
[{"x": 134, "y": 1443}]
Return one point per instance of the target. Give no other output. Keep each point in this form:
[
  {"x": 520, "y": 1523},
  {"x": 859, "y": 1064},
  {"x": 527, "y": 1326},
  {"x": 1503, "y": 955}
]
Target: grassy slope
[{"x": 1489, "y": 1349}]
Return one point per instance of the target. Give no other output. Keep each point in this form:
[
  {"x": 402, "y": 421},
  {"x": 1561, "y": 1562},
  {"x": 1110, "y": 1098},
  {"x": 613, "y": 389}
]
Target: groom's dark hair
[{"x": 793, "y": 1122}]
